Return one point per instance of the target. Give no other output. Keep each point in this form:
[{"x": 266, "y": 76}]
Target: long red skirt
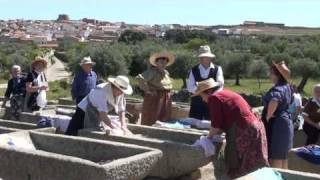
[
  {"x": 156, "y": 107},
  {"x": 250, "y": 149}
]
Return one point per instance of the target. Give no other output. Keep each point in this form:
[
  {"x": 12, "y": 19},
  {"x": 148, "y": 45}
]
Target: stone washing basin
[
  {"x": 179, "y": 157},
  {"x": 39, "y": 156},
  {"x": 17, "y": 124},
  {"x": 7, "y": 126}
]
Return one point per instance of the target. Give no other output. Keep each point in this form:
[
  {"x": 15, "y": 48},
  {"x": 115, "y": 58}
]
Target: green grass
[{"x": 250, "y": 86}]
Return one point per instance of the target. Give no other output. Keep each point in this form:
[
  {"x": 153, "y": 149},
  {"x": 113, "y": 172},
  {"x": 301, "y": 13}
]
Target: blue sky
[{"x": 202, "y": 12}]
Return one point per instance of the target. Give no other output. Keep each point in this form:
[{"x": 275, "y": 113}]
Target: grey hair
[
  {"x": 16, "y": 67},
  {"x": 316, "y": 86}
]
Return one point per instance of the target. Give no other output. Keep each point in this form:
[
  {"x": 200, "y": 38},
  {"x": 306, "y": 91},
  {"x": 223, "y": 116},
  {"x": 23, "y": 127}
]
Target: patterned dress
[{"x": 246, "y": 148}]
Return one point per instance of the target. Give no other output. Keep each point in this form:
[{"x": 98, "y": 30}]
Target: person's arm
[
  {"x": 29, "y": 87},
  {"x": 144, "y": 78},
  {"x": 272, "y": 107},
  {"x": 7, "y": 93},
  {"x": 214, "y": 131},
  {"x": 220, "y": 77},
  {"x": 9, "y": 89},
  {"x": 309, "y": 121},
  {"x": 307, "y": 111},
  {"x": 191, "y": 83},
  {"x": 299, "y": 105},
  {"x": 104, "y": 118},
  {"x": 74, "y": 88},
  {"x": 143, "y": 85},
  {"x": 216, "y": 115},
  {"x": 32, "y": 89}
]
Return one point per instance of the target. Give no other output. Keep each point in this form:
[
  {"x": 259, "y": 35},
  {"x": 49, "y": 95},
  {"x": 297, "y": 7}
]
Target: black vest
[{"x": 212, "y": 74}]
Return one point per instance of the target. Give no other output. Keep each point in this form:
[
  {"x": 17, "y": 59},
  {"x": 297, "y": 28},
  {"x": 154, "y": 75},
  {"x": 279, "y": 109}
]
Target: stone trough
[
  {"x": 37, "y": 156},
  {"x": 7, "y": 126},
  {"x": 179, "y": 156}
]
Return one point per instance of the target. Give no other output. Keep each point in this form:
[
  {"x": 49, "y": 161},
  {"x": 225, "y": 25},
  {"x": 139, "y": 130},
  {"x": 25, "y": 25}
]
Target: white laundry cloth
[
  {"x": 61, "y": 122},
  {"x": 116, "y": 124},
  {"x": 208, "y": 145}
]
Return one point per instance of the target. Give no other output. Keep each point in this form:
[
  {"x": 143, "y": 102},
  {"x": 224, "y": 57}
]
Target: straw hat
[
  {"x": 155, "y": 56},
  {"x": 205, "y": 51},
  {"x": 205, "y": 85},
  {"x": 123, "y": 83},
  {"x": 39, "y": 59},
  {"x": 283, "y": 69},
  {"x": 87, "y": 60}
]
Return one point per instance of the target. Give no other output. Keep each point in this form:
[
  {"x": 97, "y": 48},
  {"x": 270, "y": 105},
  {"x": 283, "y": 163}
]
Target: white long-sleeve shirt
[{"x": 192, "y": 84}]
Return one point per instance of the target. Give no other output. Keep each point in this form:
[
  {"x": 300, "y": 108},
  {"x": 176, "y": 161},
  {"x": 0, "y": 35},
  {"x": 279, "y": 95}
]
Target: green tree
[
  {"x": 238, "y": 65},
  {"x": 130, "y": 36},
  {"x": 194, "y": 44},
  {"x": 109, "y": 59},
  {"x": 185, "y": 60},
  {"x": 306, "y": 68},
  {"x": 259, "y": 69}
]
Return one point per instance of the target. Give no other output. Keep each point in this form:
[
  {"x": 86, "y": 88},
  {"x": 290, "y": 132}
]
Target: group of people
[
  {"x": 252, "y": 141},
  {"x": 22, "y": 91}
]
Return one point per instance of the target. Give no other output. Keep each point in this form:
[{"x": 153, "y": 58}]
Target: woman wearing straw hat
[
  {"x": 205, "y": 70},
  {"x": 107, "y": 97},
  {"x": 246, "y": 148},
  {"x": 157, "y": 84},
  {"x": 36, "y": 81},
  {"x": 276, "y": 116}
]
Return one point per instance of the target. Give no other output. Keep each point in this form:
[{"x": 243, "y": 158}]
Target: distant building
[
  {"x": 103, "y": 37},
  {"x": 254, "y": 24},
  {"x": 63, "y": 17},
  {"x": 90, "y": 21}
]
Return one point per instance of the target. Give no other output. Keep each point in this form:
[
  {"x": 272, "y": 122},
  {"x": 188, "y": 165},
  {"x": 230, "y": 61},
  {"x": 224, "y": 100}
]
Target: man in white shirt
[
  {"x": 205, "y": 70},
  {"x": 103, "y": 99}
]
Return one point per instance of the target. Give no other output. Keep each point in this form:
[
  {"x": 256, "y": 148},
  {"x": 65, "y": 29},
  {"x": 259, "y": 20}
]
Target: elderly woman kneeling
[
  {"x": 102, "y": 100},
  {"x": 246, "y": 149}
]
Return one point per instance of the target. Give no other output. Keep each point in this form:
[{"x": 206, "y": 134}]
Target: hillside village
[{"x": 48, "y": 33}]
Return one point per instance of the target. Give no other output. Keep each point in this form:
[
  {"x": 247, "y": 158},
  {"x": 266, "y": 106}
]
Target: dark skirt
[
  {"x": 156, "y": 108},
  {"x": 76, "y": 122},
  {"x": 280, "y": 137},
  {"x": 312, "y": 133},
  {"x": 199, "y": 109}
]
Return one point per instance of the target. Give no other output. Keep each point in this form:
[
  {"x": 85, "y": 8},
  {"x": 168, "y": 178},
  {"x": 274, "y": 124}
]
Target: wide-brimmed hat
[
  {"x": 87, "y": 60},
  {"x": 122, "y": 83},
  {"x": 168, "y": 55},
  {"x": 39, "y": 59},
  {"x": 283, "y": 70},
  {"x": 205, "y": 85},
  {"x": 205, "y": 51}
]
